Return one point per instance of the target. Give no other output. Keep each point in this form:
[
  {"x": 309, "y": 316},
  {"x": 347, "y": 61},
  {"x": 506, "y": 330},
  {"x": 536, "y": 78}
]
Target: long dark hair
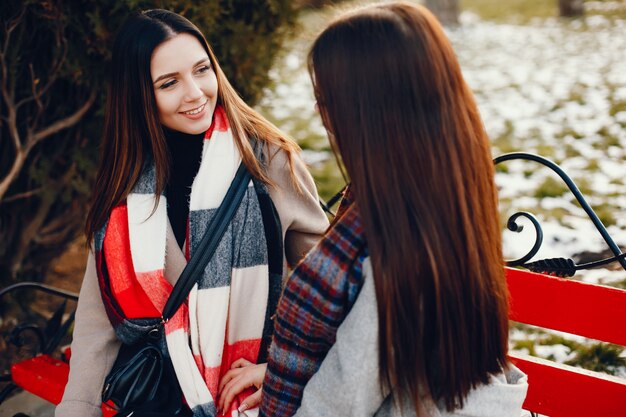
[
  {"x": 132, "y": 130},
  {"x": 392, "y": 96}
]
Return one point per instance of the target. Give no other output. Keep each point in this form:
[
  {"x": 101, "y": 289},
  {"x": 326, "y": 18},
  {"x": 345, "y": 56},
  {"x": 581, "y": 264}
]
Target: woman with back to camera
[
  {"x": 414, "y": 256},
  {"x": 175, "y": 133}
]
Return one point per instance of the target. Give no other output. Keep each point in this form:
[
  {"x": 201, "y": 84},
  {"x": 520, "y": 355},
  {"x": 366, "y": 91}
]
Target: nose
[{"x": 193, "y": 92}]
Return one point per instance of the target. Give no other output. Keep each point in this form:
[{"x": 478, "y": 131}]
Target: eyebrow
[{"x": 171, "y": 74}]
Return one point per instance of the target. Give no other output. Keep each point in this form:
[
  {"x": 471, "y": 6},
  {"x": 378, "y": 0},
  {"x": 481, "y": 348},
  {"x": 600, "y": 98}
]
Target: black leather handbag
[{"x": 142, "y": 382}]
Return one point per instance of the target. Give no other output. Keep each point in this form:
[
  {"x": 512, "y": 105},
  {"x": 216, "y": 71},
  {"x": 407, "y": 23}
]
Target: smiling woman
[
  {"x": 175, "y": 135},
  {"x": 185, "y": 86}
]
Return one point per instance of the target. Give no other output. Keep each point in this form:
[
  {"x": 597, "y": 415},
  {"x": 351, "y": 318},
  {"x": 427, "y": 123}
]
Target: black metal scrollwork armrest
[{"x": 564, "y": 267}]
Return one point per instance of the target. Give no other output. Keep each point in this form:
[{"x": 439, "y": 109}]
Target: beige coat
[{"x": 95, "y": 346}]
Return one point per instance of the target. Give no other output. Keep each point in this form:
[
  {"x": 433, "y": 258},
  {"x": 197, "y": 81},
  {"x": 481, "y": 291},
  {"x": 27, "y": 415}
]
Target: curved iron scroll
[
  {"x": 40, "y": 287},
  {"x": 560, "y": 266},
  {"x": 56, "y": 327},
  {"x": 513, "y": 226}
]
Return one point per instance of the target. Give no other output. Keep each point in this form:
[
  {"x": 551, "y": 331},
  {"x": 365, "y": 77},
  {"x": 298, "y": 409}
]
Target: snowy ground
[
  {"x": 558, "y": 90},
  {"x": 550, "y": 87}
]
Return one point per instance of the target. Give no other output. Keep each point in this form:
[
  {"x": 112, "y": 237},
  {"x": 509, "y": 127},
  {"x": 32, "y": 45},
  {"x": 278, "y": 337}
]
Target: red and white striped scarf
[{"x": 225, "y": 314}]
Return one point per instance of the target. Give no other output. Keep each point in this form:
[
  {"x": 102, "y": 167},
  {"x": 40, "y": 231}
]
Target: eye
[
  {"x": 203, "y": 69},
  {"x": 167, "y": 84}
]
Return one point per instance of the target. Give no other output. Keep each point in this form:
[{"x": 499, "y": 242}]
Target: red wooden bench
[
  {"x": 555, "y": 390},
  {"x": 46, "y": 377},
  {"x": 588, "y": 310}
]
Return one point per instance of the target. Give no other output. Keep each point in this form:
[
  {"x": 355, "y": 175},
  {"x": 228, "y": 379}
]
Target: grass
[
  {"x": 584, "y": 185},
  {"x": 550, "y": 188},
  {"x": 503, "y": 142},
  {"x": 571, "y": 151},
  {"x": 593, "y": 165},
  {"x": 607, "y": 138},
  {"x": 616, "y": 107},
  {"x": 606, "y": 214},
  {"x": 557, "y": 213},
  {"x": 569, "y": 131},
  {"x": 525, "y": 11},
  {"x": 590, "y": 355},
  {"x": 620, "y": 284},
  {"x": 596, "y": 8},
  {"x": 599, "y": 357},
  {"x": 517, "y": 11}
]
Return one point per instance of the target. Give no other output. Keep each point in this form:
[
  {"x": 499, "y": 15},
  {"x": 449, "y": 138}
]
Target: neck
[
  {"x": 185, "y": 153},
  {"x": 175, "y": 135}
]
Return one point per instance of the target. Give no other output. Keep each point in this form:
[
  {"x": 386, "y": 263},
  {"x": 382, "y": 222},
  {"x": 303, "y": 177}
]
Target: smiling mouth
[{"x": 194, "y": 111}]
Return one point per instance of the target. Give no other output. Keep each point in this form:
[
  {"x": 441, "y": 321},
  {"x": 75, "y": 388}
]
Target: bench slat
[
  {"x": 555, "y": 390},
  {"x": 46, "y": 377},
  {"x": 43, "y": 376},
  {"x": 559, "y": 390},
  {"x": 594, "y": 311}
]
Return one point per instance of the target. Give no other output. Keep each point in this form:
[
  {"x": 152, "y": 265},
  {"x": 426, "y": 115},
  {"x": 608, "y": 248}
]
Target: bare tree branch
[
  {"x": 61, "y": 124},
  {"x": 10, "y": 27},
  {"x": 25, "y": 194},
  {"x": 28, "y": 232},
  {"x": 6, "y": 91},
  {"x": 34, "y": 138},
  {"x": 33, "y": 82},
  {"x": 54, "y": 72},
  {"x": 11, "y": 118},
  {"x": 57, "y": 229},
  {"x": 18, "y": 162}
]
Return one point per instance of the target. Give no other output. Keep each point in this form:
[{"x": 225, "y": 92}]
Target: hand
[{"x": 242, "y": 374}]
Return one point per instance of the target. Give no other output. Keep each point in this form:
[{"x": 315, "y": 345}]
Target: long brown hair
[
  {"x": 392, "y": 96},
  {"x": 132, "y": 130}
]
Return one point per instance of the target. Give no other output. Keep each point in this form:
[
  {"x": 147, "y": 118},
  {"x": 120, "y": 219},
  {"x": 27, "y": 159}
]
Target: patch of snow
[
  {"x": 546, "y": 88},
  {"x": 558, "y": 353}
]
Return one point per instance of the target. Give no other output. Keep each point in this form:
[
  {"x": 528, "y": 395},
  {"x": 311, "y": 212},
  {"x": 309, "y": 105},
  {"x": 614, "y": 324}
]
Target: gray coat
[{"x": 347, "y": 382}]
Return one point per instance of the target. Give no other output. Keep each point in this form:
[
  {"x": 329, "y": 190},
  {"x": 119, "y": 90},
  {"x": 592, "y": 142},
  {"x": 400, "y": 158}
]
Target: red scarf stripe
[
  {"x": 247, "y": 349},
  {"x": 132, "y": 298},
  {"x": 143, "y": 294},
  {"x": 155, "y": 284},
  {"x": 219, "y": 123},
  {"x": 212, "y": 379},
  {"x": 115, "y": 316},
  {"x": 178, "y": 321}
]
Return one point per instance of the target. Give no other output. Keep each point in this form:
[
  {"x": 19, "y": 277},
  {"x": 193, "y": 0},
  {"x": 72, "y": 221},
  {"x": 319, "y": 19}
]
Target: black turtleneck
[{"x": 185, "y": 154}]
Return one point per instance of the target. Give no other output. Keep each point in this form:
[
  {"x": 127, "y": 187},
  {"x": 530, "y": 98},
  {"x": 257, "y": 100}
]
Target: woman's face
[{"x": 185, "y": 85}]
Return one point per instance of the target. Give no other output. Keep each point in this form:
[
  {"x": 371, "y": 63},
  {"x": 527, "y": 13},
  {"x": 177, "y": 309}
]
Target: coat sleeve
[
  {"x": 302, "y": 219},
  {"x": 347, "y": 382},
  {"x": 314, "y": 303},
  {"x": 94, "y": 349}
]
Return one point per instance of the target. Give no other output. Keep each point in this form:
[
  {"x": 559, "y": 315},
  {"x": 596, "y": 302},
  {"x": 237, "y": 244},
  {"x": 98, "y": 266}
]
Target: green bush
[
  {"x": 315, "y": 4},
  {"x": 53, "y": 59}
]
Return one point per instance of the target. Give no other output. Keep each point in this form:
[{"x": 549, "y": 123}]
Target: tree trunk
[
  {"x": 447, "y": 11},
  {"x": 571, "y": 8}
]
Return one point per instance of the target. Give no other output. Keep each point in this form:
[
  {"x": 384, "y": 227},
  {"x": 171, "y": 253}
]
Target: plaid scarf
[
  {"x": 316, "y": 299},
  {"x": 227, "y": 312}
]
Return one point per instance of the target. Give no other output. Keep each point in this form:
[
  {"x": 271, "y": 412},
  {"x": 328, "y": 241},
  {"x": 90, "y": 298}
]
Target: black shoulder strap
[{"x": 203, "y": 254}]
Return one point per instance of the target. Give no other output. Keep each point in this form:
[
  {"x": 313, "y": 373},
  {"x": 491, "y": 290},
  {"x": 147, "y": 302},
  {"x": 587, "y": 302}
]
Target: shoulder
[
  {"x": 284, "y": 165},
  {"x": 293, "y": 189}
]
